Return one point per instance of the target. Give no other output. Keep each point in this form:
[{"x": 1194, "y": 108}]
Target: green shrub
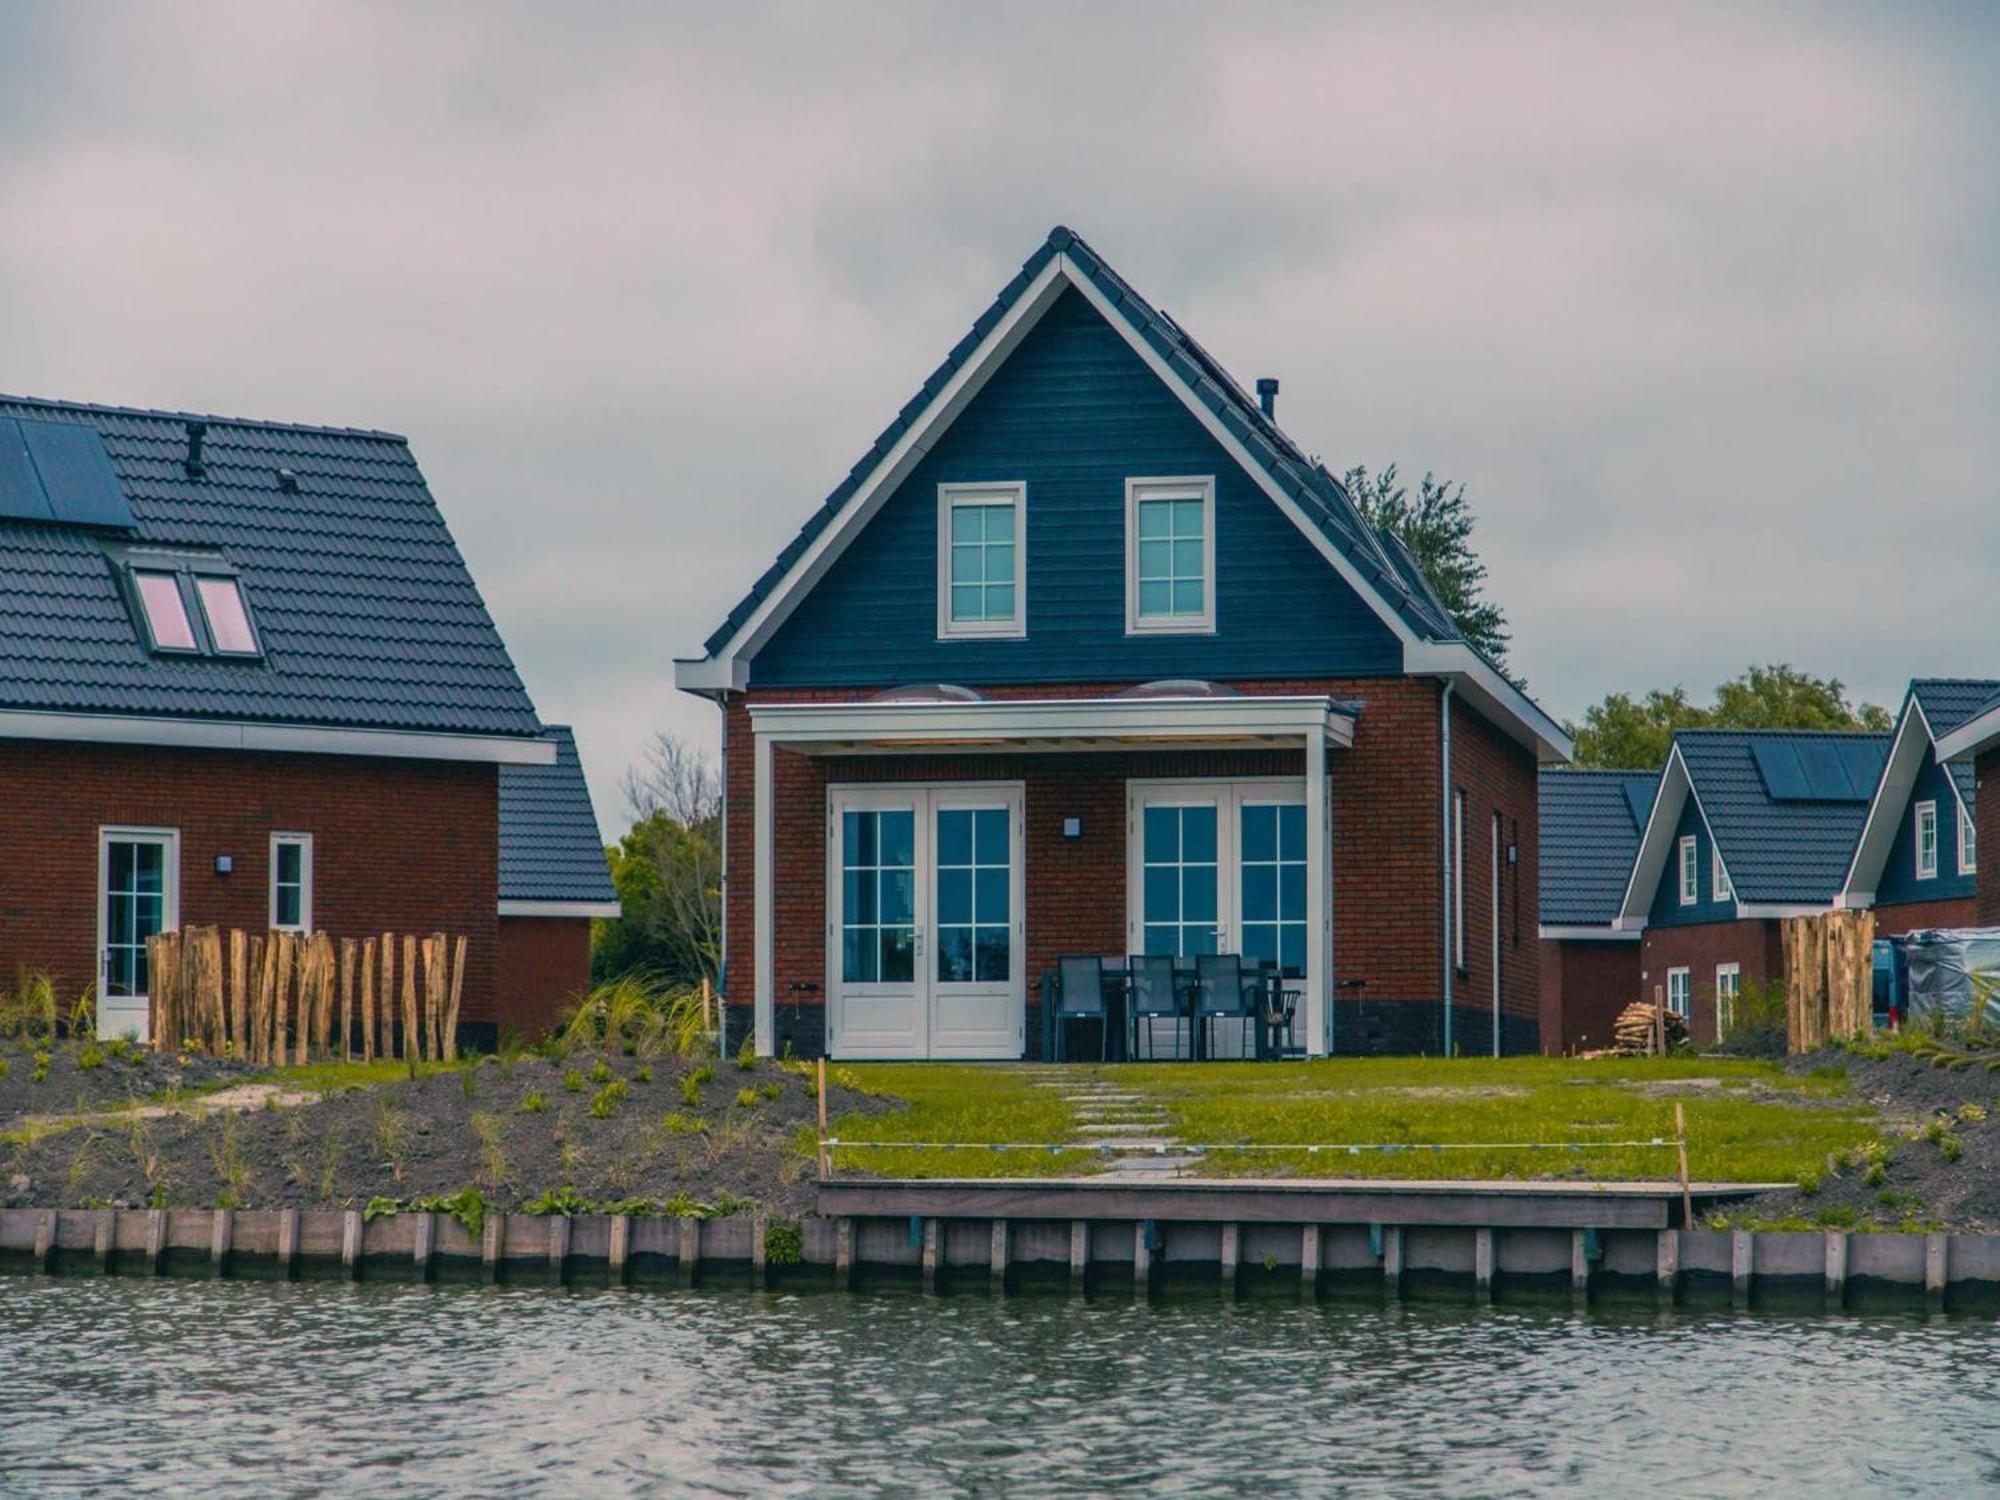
[
  {"x": 643, "y": 1073},
  {"x": 746, "y": 1055},
  {"x": 784, "y": 1242},
  {"x": 747, "y": 1098},
  {"x": 680, "y": 1124},
  {"x": 601, "y": 1073},
  {"x": 573, "y": 1080},
  {"x": 607, "y": 1100},
  {"x": 771, "y": 1090},
  {"x": 639, "y": 1015},
  {"x": 566, "y": 1201},
  {"x": 534, "y": 1104}
]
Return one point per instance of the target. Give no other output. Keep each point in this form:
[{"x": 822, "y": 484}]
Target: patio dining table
[{"x": 1269, "y": 980}]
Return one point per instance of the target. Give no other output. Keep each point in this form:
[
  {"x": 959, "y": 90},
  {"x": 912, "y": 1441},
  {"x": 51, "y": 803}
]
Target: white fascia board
[
  {"x": 1052, "y": 718},
  {"x": 1854, "y": 901},
  {"x": 1973, "y": 737},
  {"x": 599, "y": 909},
  {"x": 1765, "y": 910},
  {"x": 1583, "y": 934},
  {"x": 219, "y": 734},
  {"x": 1516, "y": 714},
  {"x": 1650, "y": 860},
  {"x": 1892, "y": 790},
  {"x": 707, "y": 675}
]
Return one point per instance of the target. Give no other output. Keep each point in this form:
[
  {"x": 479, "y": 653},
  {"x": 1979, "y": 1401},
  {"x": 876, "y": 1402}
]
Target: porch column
[
  {"x": 764, "y": 888},
  {"x": 1319, "y": 930}
]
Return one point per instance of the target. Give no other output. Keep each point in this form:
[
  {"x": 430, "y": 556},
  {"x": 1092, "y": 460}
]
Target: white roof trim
[
  {"x": 1974, "y": 737},
  {"x": 1581, "y": 933},
  {"x": 1511, "y": 709},
  {"x": 221, "y": 734},
  {"x": 1649, "y": 862},
  {"x": 602, "y": 909},
  {"x": 1068, "y": 720},
  {"x": 1759, "y": 910},
  {"x": 1898, "y": 778}
]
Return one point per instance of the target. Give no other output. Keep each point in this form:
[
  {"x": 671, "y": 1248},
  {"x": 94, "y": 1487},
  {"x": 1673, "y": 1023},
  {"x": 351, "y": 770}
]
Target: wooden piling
[
  {"x": 1687, "y": 1192},
  {"x": 1836, "y": 1270},
  {"x": 240, "y": 969},
  {"x": 388, "y": 1006},
  {"x": 106, "y": 1237},
  {"x": 843, "y": 1254},
  {"x": 221, "y": 1227},
  {"x": 1229, "y": 1267},
  {"x": 1392, "y": 1261},
  {"x": 1079, "y": 1254},
  {"x": 457, "y": 988},
  {"x": 559, "y": 1248},
  {"x": 1482, "y": 1264},
  {"x": 368, "y": 1000},
  {"x": 1666, "y": 1266},
  {"x": 932, "y": 1234},
  {"x": 1579, "y": 1267},
  {"x": 352, "y": 1226},
  {"x": 424, "y": 1249},
  {"x": 1937, "y": 1251},
  {"x": 413, "y": 1031},
  {"x": 348, "y": 951},
  {"x": 1740, "y": 1267},
  {"x": 493, "y": 1244},
  {"x": 691, "y": 1250},
  {"x": 1142, "y": 1258},
  {"x": 996, "y": 1265},
  {"x": 1309, "y": 1259},
  {"x": 156, "y": 1240},
  {"x": 45, "y": 1240},
  {"x": 825, "y": 1155},
  {"x": 760, "y": 1252},
  {"x": 288, "y": 1241}
]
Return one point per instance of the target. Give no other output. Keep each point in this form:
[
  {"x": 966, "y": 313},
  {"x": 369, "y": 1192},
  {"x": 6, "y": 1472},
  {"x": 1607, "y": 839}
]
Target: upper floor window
[
  {"x": 1690, "y": 872},
  {"x": 291, "y": 881},
  {"x": 189, "y": 602},
  {"x": 1968, "y": 843},
  {"x": 982, "y": 583},
  {"x": 1719, "y": 886},
  {"x": 1927, "y": 841},
  {"x": 1170, "y": 555}
]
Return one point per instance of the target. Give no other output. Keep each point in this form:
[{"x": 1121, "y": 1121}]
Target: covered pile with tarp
[{"x": 1954, "y": 978}]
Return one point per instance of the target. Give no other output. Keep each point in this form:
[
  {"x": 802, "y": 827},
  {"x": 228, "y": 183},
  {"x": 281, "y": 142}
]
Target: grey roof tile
[
  {"x": 1589, "y": 838},
  {"x": 550, "y": 849},
  {"x": 1948, "y": 702},
  {"x": 368, "y": 616}
]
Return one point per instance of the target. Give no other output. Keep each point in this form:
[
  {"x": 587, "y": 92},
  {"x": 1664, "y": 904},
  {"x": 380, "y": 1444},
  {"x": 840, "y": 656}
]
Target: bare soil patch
[{"x": 117, "y": 1079}]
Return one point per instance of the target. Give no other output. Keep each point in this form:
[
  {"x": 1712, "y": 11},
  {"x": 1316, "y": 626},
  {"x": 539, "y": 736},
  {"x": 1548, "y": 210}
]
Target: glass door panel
[
  {"x": 1272, "y": 894},
  {"x": 878, "y": 896},
  {"x": 1180, "y": 879},
  {"x": 137, "y": 880},
  {"x": 978, "y": 995}
]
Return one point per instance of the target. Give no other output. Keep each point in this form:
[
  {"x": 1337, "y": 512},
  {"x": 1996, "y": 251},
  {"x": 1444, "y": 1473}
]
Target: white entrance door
[
  {"x": 1220, "y": 867},
  {"x": 924, "y": 922},
  {"x": 138, "y": 895}
]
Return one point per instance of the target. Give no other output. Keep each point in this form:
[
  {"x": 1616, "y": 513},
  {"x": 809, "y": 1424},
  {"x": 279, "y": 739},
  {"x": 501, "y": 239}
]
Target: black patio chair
[
  {"x": 1156, "y": 994},
  {"x": 1221, "y": 993},
  {"x": 1278, "y": 996},
  {"x": 1080, "y": 997}
]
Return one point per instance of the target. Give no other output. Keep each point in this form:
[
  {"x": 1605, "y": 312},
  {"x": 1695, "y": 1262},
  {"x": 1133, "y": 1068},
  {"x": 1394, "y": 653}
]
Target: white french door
[
  {"x": 138, "y": 895},
  {"x": 1221, "y": 867},
  {"x": 924, "y": 922}
]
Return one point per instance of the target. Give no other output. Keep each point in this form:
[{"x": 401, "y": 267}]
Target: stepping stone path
[{"x": 1108, "y": 1114}]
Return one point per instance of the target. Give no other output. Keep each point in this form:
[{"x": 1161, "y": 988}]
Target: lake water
[{"x": 253, "y": 1389}]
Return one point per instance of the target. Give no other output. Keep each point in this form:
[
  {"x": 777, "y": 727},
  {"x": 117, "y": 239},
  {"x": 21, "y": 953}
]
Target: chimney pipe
[
  {"x": 196, "y": 431},
  {"x": 1267, "y": 396}
]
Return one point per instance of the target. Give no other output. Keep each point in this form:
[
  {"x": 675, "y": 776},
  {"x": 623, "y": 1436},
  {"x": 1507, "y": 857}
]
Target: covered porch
[{"x": 922, "y": 858}]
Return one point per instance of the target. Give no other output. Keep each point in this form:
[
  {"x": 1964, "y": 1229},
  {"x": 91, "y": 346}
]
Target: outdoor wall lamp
[{"x": 1072, "y": 828}]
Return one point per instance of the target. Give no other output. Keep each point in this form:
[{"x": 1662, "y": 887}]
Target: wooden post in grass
[
  {"x": 825, "y": 1156},
  {"x": 707, "y": 1024},
  {"x": 413, "y": 1037},
  {"x": 323, "y": 1007},
  {"x": 1659, "y": 1020},
  {"x": 348, "y": 949},
  {"x": 388, "y": 1008},
  {"x": 368, "y": 1000},
  {"x": 433, "y": 947},
  {"x": 281, "y": 998},
  {"x": 1687, "y": 1194},
  {"x": 259, "y": 1033},
  {"x": 457, "y": 992},
  {"x": 240, "y": 970}
]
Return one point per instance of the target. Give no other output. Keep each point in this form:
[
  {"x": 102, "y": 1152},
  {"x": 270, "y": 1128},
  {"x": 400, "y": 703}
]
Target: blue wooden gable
[
  {"x": 1073, "y": 414},
  {"x": 1898, "y": 880},
  {"x": 1667, "y": 910}
]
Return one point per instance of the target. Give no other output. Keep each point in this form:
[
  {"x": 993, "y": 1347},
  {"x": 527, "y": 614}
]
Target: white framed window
[
  {"x": 1690, "y": 872},
  {"x": 1170, "y": 556},
  {"x": 291, "y": 882},
  {"x": 1728, "y": 985},
  {"x": 1927, "y": 835},
  {"x": 1719, "y": 886},
  {"x": 1968, "y": 843},
  {"x": 1677, "y": 992},
  {"x": 138, "y": 895},
  {"x": 982, "y": 560},
  {"x": 1458, "y": 879}
]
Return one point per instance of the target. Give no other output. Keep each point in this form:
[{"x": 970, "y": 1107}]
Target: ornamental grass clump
[{"x": 639, "y": 1015}]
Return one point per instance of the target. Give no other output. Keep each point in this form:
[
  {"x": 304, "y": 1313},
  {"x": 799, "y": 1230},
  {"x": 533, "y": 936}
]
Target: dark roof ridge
[
  {"x": 1596, "y": 771},
  {"x": 1880, "y": 734},
  {"x": 162, "y": 414}
]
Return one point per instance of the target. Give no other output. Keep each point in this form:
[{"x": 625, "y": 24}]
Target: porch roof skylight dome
[
  {"x": 1180, "y": 687},
  {"x": 927, "y": 692}
]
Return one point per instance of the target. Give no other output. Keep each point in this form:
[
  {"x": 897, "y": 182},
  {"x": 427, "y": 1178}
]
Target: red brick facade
[
  {"x": 398, "y": 846},
  {"x": 1585, "y": 984},
  {"x": 1753, "y": 943},
  {"x": 1914, "y": 916},
  {"x": 1986, "y": 814},
  {"x": 1387, "y": 885},
  {"x": 544, "y": 964}
]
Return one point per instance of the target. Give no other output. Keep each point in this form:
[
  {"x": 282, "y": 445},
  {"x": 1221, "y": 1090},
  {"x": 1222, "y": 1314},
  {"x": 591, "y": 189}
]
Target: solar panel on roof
[
  {"x": 1815, "y": 770},
  {"x": 59, "y": 472},
  {"x": 1639, "y": 798},
  {"x": 1864, "y": 759},
  {"x": 1778, "y": 763},
  {"x": 1826, "y": 776}
]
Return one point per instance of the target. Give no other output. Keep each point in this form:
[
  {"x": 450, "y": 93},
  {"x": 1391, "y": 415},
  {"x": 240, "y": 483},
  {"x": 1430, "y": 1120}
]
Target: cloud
[{"x": 1700, "y": 303}]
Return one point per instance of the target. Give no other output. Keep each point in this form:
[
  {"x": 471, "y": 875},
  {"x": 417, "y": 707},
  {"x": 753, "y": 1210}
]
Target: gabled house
[
  {"x": 1747, "y": 827},
  {"x": 554, "y": 882},
  {"x": 1087, "y": 656},
  {"x": 245, "y": 679},
  {"x": 1916, "y": 861},
  {"x": 1976, "y": 741},
  {"x": 1590, "y": 823}
]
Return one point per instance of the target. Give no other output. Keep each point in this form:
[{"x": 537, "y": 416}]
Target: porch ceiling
[{"x": 1055, "y": 724}]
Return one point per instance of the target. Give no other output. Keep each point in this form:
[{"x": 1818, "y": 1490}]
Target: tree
[
  {"x": 1437, "y": 528},
  {"x": 1633, "y": 733},
  {"x": 667, "y": 870}
]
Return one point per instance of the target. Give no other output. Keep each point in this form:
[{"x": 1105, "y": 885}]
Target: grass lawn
[{"x": 1747, "y": 1121}]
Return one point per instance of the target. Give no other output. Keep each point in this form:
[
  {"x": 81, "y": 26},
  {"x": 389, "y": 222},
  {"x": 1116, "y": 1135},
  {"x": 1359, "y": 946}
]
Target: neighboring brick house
[
  {"x": 1747, "y": 827},
  {"x": 553, "y": 882},
  {"x": 1590, "y": 822},
  {"x": 245, "y": 679},
  {"x": 1976, "y": 740},
  {"x": 1086, "y": 656},
  {"x": 1916, "y": 861}
]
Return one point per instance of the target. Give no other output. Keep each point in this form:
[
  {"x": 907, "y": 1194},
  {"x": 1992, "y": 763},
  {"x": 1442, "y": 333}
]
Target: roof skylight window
[
  {"x": 165, "y": 610},
  {"x": 188, "y": 603},
  {"x": 228, "y": 621}
]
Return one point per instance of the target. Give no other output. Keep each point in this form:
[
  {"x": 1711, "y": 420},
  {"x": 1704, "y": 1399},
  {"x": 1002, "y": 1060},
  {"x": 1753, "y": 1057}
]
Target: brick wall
[
  {"x": 544, "y": 963},
  {"x": 1386, "y": 885},
  {"x": 398, "y": 845},
  {"x": 1913, "y": 916},
  {"x": 1498, "y": 778},
  {"x": 1986, "y": 814},
  {"x": 1754, "y": 944},
  {"x": 1585, "y": 984}
]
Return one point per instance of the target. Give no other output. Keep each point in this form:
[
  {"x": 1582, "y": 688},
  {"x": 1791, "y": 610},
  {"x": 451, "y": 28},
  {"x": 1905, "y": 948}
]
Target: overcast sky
[{"x": 1702, "y": 308}]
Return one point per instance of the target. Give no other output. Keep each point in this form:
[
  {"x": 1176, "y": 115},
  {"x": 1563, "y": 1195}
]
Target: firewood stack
[{"x": 1636, "y": 1032}]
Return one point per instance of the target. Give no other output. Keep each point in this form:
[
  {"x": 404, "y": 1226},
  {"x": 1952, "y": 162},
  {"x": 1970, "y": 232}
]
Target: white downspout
[{"x": 1444, "y": 863}]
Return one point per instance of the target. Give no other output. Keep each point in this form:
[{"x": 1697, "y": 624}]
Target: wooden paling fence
[
  {"x": 1829, "y": 978},
  {"x": 294, "y": 997}
]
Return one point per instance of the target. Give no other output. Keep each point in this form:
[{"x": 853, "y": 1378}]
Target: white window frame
[
  {"x": 1458, "y": 880},
  {"x": 1690, "y": 871},
  {"x": 304, "y": 843},
  {"x": 1926, "y": 815},
  {"x": 950, "y": 497},
  {"x": 1721, "y": 887},
  {"x": 1686, "y": 987},
  {"x": 1968, "y": 842},
  {"x": 170, "y": 914},
  {"x": 1725, "y": 1008},
  {"x": 1171, "y": 487}
]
